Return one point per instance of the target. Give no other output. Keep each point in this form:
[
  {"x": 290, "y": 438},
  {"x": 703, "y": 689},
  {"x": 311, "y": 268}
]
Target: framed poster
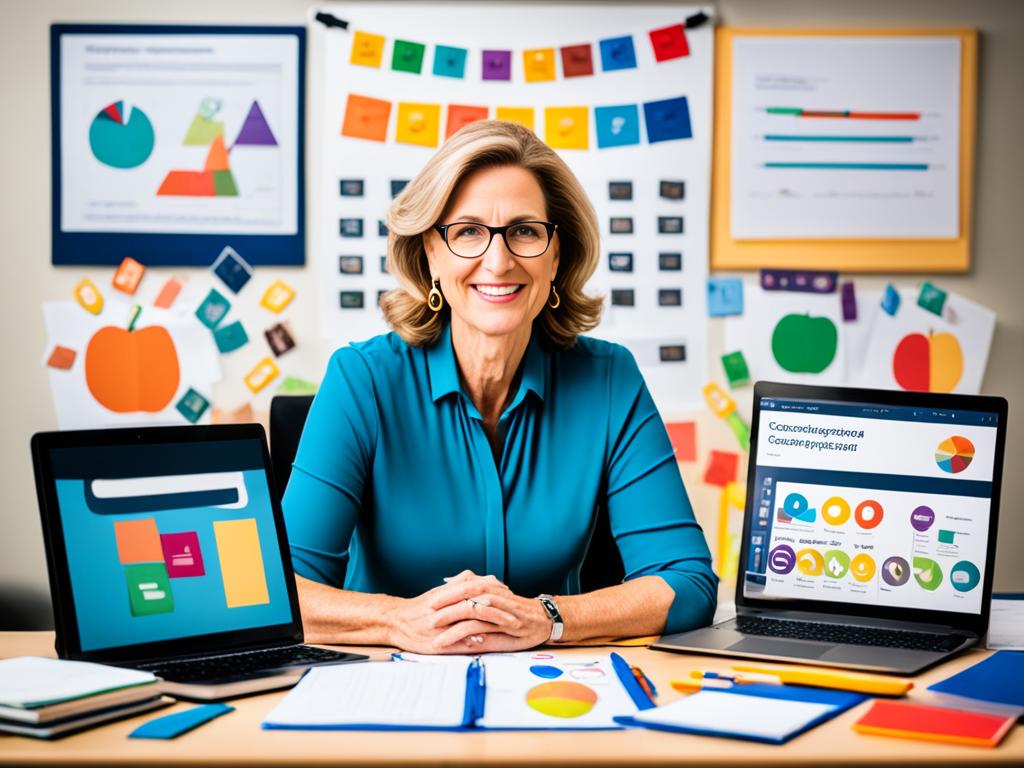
[{"x": 170, "y": 142}]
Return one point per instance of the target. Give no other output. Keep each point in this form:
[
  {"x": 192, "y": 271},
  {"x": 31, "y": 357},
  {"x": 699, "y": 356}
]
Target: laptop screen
[
  {"x": 871, "y": 505},
  {"x": 169, "y": 540}
]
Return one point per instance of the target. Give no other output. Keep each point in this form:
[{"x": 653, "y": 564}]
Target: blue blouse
[{"x": 394, "y": 473}]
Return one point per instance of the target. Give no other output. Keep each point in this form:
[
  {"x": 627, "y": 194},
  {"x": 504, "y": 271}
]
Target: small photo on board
[
  {"x": 382, "y": 228},
  {"x": 623, "y": 297},
  {"x": 672, "y": 353},
  {"x": 621, "y": 225},
  {"x": 384, "y": 265},
  {"x": 351, "y": 188},
  {"x": 670, "y": 297},
  {"x": 279, "y": 339},
  {"x": 350, "y": 265},
  {"x": 620, "y": 190},
  {"x": 672, "y": 190},
  {"x": 670, "y": 225},
  {"x": 350, "y": 227},
  {"x": 351, "y": 299},
  {"x": 670, "y": 262},
  {"x": 380, "y": 296},
  {"x": 397, "y": 185},
  {"x": 620, "y": 262}
]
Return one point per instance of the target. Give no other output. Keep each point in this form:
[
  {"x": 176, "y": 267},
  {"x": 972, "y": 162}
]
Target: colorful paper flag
[
  {"x": 669, "y": 43},
  {"x": 577, "y": 60},
  {"x": 366, "y": 118},
  {"x": 566, "y": 127},
  {"x": 617, "y": 126},
  {"x": 407, "y": 56},
  {"x": 461, "y": 115},
  {"x": 539, "y": 65},
  {"x": 449, "y": 61},
  {"x": 521, "y": 115},
  {"x": 418, "y": 123},
  {"x": 367, "y": 49}
]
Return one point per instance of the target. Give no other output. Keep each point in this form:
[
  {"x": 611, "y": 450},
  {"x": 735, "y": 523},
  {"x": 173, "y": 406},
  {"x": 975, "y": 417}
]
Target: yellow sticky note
[
  {"x": 566, "y": 127},
  {"x": 521, "y": 115},
  {"x": 418, "y": 123},
  {"x": 367, "y": 49},
  {"x": 264, "y": 373},
  {"x": 88, "y": 296},
  {"x": 539, "y": 65},
  {"x": 718, "y": 401},
  {"x": 241, "y": 562},
  {"x": 277, "y": 296}
]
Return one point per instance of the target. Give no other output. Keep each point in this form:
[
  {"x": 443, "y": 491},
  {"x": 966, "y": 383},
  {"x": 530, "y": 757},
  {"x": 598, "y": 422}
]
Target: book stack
[{"x": 47, "y": 698}]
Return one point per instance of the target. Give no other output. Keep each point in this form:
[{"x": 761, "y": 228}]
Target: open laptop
[
  {"x": 869, "y": 532},
  {"x": 167, "y": 552}
]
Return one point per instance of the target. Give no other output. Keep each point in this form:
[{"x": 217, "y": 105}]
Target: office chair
[{"x": 602, "y": 566}]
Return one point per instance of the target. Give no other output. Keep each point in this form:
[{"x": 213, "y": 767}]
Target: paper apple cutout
[
  {"x": 932, "y": 363},
  {"x": 804, "y": 344},
  {"x": 129, "y": 371}
]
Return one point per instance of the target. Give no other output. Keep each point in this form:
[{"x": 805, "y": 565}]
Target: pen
[
  {"x": 644, "y": 681},
  {"x": 823, "y": 677}
]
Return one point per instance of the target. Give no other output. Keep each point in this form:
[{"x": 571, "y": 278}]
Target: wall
[{"x": 994, "y": 280}]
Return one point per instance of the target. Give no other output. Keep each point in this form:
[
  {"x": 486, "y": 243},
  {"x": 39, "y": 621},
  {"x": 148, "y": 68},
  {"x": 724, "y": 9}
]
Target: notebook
[
  {"x": 908, "y": 720},
  {"x": 498, "y": 691},
  {"x": 997, "y": 680},
  {"x": 30, "y": 682}
]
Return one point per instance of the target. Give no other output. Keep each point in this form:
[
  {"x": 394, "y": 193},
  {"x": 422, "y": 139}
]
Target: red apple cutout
[{"x": 932, "y": 363}]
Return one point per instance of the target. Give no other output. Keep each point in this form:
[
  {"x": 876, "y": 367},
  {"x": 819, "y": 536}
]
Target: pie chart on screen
[
  {"x": 121, "y": 136},
  {"x": 954, "y": 454}
]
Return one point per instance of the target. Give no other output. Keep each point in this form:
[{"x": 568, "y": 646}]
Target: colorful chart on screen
[
  {"x": 562, "y": 699},
  {"x": 954, "y": 454},
  {"x": 121, "y": 136}
]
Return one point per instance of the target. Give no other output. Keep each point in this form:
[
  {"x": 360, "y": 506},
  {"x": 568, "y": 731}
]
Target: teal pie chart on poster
[{"x": 121, "y": 136}]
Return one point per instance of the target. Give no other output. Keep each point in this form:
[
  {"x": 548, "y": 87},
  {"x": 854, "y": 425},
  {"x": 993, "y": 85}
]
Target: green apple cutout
[{"x": 804, "y": 344}]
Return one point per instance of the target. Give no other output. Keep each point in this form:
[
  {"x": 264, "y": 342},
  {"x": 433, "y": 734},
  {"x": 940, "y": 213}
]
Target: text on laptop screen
[
  {"x": 169, "y": 541},
  {"x": 871, "y": 505}
]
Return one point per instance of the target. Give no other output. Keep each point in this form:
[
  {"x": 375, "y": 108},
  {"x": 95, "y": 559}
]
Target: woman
[{"x": 460, "y": 460}]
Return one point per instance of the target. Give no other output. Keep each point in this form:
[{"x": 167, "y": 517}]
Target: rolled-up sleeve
[
  {"x": 650, "y": 514},
  {"x": 332, "y": 464}
]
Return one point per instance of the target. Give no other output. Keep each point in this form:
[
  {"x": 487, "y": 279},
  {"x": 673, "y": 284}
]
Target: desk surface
[{"x": 237, "y": 737}]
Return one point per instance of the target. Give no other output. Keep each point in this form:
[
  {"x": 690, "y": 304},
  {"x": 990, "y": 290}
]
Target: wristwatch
[{"x": 551, "y": 609}]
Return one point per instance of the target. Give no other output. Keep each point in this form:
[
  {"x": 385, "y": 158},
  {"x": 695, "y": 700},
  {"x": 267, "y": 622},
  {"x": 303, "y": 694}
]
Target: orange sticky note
[
  {"x": 418, "y": 123},
  {"x": 460, "y": 115},
  {"x": 62, "y": 358},
  {"x": 88, "y": 296},
  {"x": 262, "y": 374},
  {"x": 168, "y": 293},
  {"x": 277, "y": 296},
  {"x": 718, "y": 401},
  {"x": 566, "y": 127},
  {"x": 128, "y": 275},
  {"x": 721, "y": 469},
  {"x": 366, "y": 118},
  {"x": 683, "y": 436},
  {"x": 241, "y": 562},
  {"x": 138, "y": 541},
  {"x": 539, "y": 65},
  {"x": 367, "y": 49},
  {"x": 521, "y": 115}
]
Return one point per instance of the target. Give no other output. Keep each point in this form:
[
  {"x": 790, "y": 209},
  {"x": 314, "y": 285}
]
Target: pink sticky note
[
  {"x": 722, "y": 466},
  {"x": 182, "y": 554},
  {"x": 683, "y": 435}
]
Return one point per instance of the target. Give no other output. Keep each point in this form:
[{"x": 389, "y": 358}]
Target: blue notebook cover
[{"x": 998, "y": 679}]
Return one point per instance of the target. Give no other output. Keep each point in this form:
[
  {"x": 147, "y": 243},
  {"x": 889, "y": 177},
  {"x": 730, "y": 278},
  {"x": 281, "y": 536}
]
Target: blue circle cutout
[{"x": 545, "y": 671}]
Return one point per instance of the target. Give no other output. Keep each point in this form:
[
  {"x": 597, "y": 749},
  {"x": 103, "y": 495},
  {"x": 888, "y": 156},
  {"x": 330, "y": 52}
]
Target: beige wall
[{"x": 28, "y": 278}]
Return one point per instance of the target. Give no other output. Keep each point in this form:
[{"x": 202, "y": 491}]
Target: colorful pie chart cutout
[
  {"x": 954, "y": 454},
  {"x": 562, "y": 698},
  {"x": 121, "y": 136}
]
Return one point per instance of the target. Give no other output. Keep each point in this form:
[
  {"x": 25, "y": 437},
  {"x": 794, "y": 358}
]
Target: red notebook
[{"x": 907, "y": 720}]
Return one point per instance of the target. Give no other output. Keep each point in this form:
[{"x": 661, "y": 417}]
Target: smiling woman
[{"x": 458, "y": 464}]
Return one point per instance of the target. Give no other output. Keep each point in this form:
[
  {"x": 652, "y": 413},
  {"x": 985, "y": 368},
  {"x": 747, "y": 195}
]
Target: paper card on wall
[
  {"x": 232, "y": 269},
  {"x": 736, "y": 371},
  {"x": 668, "y": 119},
  {"x": 407, "y": 56},
  {"x": 919, "y": 351},
  {"x": 891, "y": 300},
  {"x": 293, "y": 385},
  {"x": 617, "y": 53},
  {"x": 128, "y": 276},
  {"x": 725, "y": 296},
  {"x": 192, "y": 406},
  {"x": 577, "y": 60},
  {"x": 418, "y": 124},
  {"x": 449, "y": 61},
  {"x": 366, "y": 118},
  {"x": 497, "y": 65},
  {"x": 88, "y": 296},
  {"x": 231, "y": 337},
  {"x": 367, "y": 49},
  {"x": 277, "y": 296},
  {"x": 669, "y": 43},
  {"x": 168, "y": 293},
  {"x": 264, "y": 372},
  {"x": 521, "y": 115},
  {"x": 279, "y": 338},
  {"x": 461, "y": 115},
  {"x": 213, "y": 309},
  {"x": 722, "y": 468},
  {"x": 566, "y": 127},
  {"x": 848, "y": 299},
  {"x": 683, "y": 436},
  {"x": 61, "y": 358},
  {"x": 617, "y": 126},
  {"x": 539, "y": 65}
]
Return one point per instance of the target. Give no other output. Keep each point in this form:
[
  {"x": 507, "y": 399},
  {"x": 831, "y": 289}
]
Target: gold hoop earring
[
  {"x": 554, "y": 300},
  {"x": 434, "y": 299}
]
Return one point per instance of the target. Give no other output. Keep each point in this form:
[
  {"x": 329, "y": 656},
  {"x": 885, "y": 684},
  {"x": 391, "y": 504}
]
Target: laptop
[
  {"x": 869, "y": 531},
  {"x": 167, "y": 552}
]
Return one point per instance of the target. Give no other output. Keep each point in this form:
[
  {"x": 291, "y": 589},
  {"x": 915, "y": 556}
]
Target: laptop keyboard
[
  {"x": 241, "y": 664},
  {"x": 847, "y": 634}
]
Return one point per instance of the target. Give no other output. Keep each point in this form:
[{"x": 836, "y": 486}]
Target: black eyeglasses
[{"x": 469, "y": 240}]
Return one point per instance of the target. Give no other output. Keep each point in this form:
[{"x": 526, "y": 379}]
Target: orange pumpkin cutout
[{"x": 128, "y": 371}]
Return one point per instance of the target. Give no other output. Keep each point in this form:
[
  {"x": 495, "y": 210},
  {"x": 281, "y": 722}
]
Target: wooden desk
[{"x": 237, "y": 737}]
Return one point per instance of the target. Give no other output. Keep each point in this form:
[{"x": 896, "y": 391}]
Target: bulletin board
[{"x": 930, "y": 252}]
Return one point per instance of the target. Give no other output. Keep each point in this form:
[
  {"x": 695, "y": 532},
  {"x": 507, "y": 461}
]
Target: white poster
[{"x": 622, "y": 92}]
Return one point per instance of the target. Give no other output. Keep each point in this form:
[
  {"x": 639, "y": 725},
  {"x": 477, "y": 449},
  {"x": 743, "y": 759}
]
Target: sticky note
[
  {"x": 171, "y": 726},
  {"x": 617, "y": 126},
  {"x": 367, "y": 49},
  {"x": 182, "y": 554},
  {"x": 669, "y": 43},
  {"x": 88, "y": 296},
  {"x": 736, "y": 371},
  {"x": 566, "y": 127},
  {"x": 366, "y": 118},
  {"x": 293, "y": 385},
  {"x": 279, "y": 339},
  {"x": 138, "y": 541},
  {"x": 848, "y": 299},
  {"x": 168, "y": 293},
  {"x": 891, "y": 300},
  {"x": 192, "y": 405},
  {"x": 617, "y": 53},
  {"x": 521, "y": 115},
  {"x": 683, "y": 436},
  {"x": 449, "y": 61},
  {"x": 61, "y": 358},
  {"x": 128, "y": 276},
  {"x": 539, "y": 65},
  {"x": 667, "y": 119},
  {"x": 722, "y": 467},
  {"x": 232, "y": 269},
  {"x": 725, "y": 296},
  {"x": 497, "y": 65},
  {"x": 418, "y": 123},
  {"x": 264, "y": 372},
  {"x": 277, "y": 296},
  {"x": 931, "y": 298},
  {"x": 718, "y": 401},
  {"x": 231, "y": 337},
  {"x": 407, "y": 56},
  {"x": 577, "y": 60},
  {"x": 149, "y": 589},
  {"x": 241, "y": 562},
  {"x": 213, "y": 309},
  {"x": 460, "y": 115}
]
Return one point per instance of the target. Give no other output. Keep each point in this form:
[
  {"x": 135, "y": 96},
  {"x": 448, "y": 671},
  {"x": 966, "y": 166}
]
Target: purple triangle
[{"x": 255, "y": 129}]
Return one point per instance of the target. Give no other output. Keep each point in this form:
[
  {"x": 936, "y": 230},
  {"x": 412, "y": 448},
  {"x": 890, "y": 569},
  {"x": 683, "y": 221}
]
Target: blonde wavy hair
[{"x": 488, "y": 144}]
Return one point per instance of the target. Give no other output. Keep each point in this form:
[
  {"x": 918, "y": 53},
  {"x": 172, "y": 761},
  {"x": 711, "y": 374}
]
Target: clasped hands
[{"x": 468, "y": 614}]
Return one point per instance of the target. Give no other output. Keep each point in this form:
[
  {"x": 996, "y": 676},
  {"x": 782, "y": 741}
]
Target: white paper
[
  {"x": 675, "y": 385},
  {"x": 31, "y": 681},
  {"x": 912, "y": 187},
  {"x": 736, "y": 714},
  {"x": 1006, "y": 625}
]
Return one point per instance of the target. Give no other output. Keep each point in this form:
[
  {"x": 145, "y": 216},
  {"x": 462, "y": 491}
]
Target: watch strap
[{"x": 551, "y": 609}]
